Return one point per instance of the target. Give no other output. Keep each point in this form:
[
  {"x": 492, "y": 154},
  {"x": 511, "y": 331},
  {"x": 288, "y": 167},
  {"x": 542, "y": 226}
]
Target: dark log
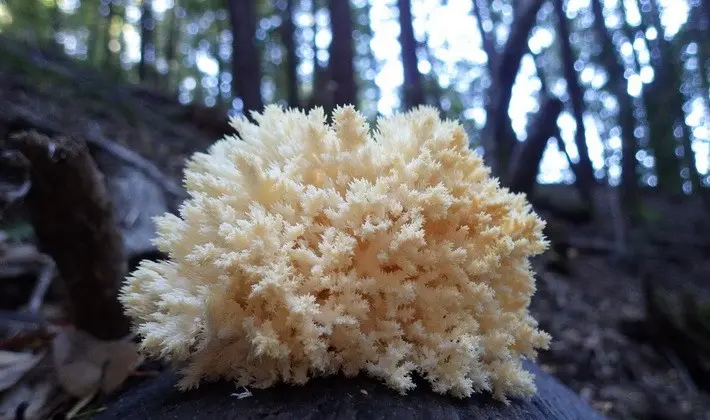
[
  {"x": 339, "y": 398},
  {"x": 74, "y": 223}
]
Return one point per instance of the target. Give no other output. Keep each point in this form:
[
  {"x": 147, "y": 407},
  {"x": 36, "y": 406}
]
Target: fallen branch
[
  {"x": 95, "y": 138},
  {"x": 18, "y": 260},
  {"x": 14, "y": 180},
  {"x": 44, "y": 280},
  {"x": 21, "y": 259},
  {"x": 74, "y": 223}
]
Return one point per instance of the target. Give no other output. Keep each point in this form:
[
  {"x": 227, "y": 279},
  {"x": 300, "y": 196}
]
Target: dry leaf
[
  {"x": 123, "y": 360},
  {"x": 85, "y": 364},
  {"x": 14, "y": 365},
  {"x": 78, "y": 361}
]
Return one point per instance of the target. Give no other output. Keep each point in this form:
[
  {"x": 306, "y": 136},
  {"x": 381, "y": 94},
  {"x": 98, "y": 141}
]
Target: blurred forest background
[
  {"x": 632, "y": 74},
  {"x": 598, "y": 109}
]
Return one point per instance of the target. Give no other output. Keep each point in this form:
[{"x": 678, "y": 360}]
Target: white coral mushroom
[{"x": 307, "y": 248}]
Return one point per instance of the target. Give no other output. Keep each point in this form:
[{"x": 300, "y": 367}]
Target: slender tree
[
  {"x": 288, "y": 36},
  {"x": 147, "y": 44},
  {"x": 246, "y": 68},
  {"x": 662, "y": 96},
  {"x": 171, "y": 48},
  {"x": 627, "y": 122},
  {"x": 706, "y": 9},
  {"x": 576, "y": 97},
  {"x": 108, "y": 54},
  {"x": 481, "y": 11},
  {"x": 340, "y": 64},
  {"x": 498, "y": 136},
  {"x": 413, "y": 90},
  {"x": 94, "y": 42}
]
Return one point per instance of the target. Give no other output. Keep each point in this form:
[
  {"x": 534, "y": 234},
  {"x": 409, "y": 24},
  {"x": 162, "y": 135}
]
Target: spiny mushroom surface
[{"x": 307, "y": 248}]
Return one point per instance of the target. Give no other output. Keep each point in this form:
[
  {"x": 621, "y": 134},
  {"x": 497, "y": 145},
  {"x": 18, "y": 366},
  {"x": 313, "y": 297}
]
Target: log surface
[{"x": 338, "y": 398}]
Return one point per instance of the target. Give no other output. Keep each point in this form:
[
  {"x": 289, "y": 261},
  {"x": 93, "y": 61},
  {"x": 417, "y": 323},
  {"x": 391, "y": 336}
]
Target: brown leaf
[
  {"x": 123, "y": 360},
  {"x": 85, "y": 365},
  {"x": 14, "y": 365}
]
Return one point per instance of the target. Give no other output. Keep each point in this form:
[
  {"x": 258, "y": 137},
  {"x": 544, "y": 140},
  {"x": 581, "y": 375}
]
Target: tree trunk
[
  {"x": 498, "y": 136},
  {"x": 585, "y": 172},
  {"x": 94, "y": 42},
  {"x": 482, "y": 11},
  {"x": 413, "y": 88},
  {"x": 147, "y": 44},
  {"x": 171, "y": 49},
  {"x": 660, "y": 97},
  {"x": 525, "y": 162},
  {"x": 618, "y": 85},
  {"x": 246, "y": 68},
  {"x": 320, "y": 92},
  {"x": 109, "y": 56},
  {"x": 288, "y": 35},
  {"x": 706, "y": 9},
  {"x": 220, "y": 99},
  {"x": 544, "y": 90},
  {"x": 342, "y": 73}
]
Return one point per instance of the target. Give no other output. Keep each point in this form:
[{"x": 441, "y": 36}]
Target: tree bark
[
  {"x": 246, "y": 67},
  {"x": 340, "y": 64},
  {"x": 147, "y": 44},
  {"x": 585, "y": 171},
  {"x": 74, "y": 222},
  {"x": 413, "y": 88},
  {"x": 288, "y": 34}
]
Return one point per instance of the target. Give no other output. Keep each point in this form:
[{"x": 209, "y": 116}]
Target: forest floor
[
  {"x": 584, "y": 305},
  {"x": 585, "y": 310}
]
